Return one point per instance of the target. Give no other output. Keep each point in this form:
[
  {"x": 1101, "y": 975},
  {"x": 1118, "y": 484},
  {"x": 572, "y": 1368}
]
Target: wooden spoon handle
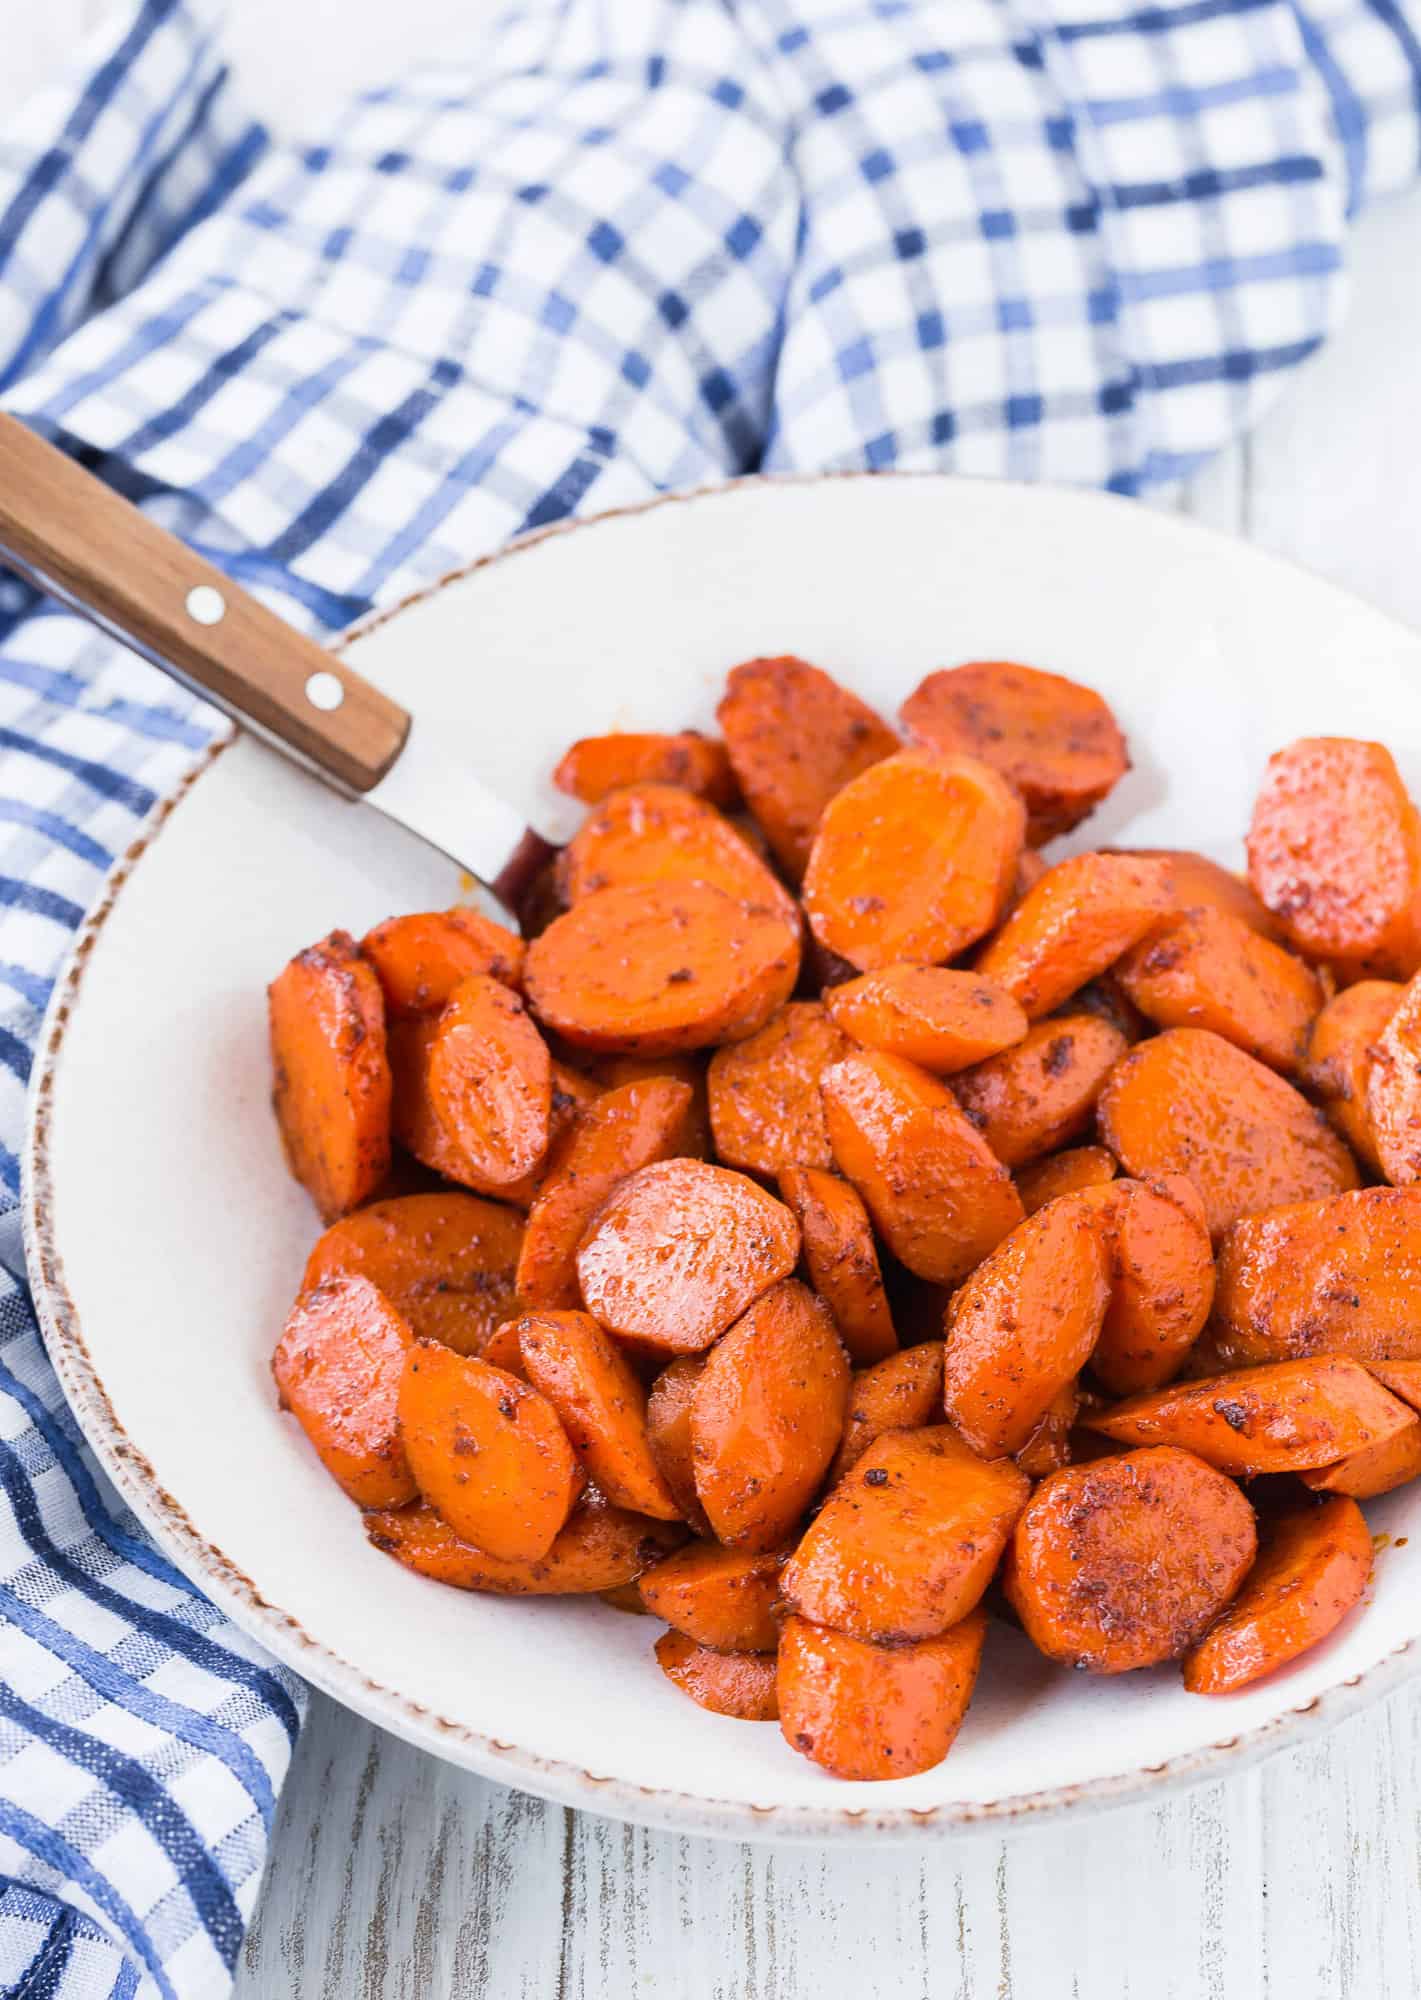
[{"x": 81, "y": 543}]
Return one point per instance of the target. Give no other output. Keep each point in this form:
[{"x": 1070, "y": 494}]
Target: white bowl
[{"x": 166, "y": 1240}]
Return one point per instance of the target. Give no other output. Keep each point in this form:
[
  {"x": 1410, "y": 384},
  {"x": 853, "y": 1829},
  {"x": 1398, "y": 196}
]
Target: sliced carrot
[
  {"x": 600, "y": 1404},
  {"x": 331, "y": 1074},
  {"x": 668, "y": 1432},
  {"x": 1049, "y": 1446},
  {"x": 905, "y": 1546},
  {"x": 1055, "y": 740},
  {"x": 1335, "y": 853},
  {"x": 796, "y": 738},
  {"x": 597, "y": 765},
  {"x": 621, "y": 1131},
  {"x": 490, "y": 1084},
  {"x": 599, "y": 1548},
  {"x": 421, "y": 959},
  {"x": 337, "y": 1368},
  {"x": 938, "y": 1193},
  {"x": 1024, "y": 1324},
  {"x": 1202, "y": 969},
  {"x": 1188, "y": 1102},
  {"x": 1161, "y": 1281},
  {"x": 1339, "y": 1059},
  {"x": 903, "y": 1392},
  {"x": 930, "y": 1015},
  {"x": 913, "y": 860},
  {"x": 721, "y": 1598},
  {"x": 1079, "y": 918},
  {"x": 1403, "y": 1378},
  {"x": 1126, "y": 1562},
  {"x": 767, "y": 1416},
  {"x": 1201, "y": 884},
  {"x": 446, "y": 1262},
  {"x": 1339, "y": 1276},
  {"x": 1286, "y": 1416},
  {"x": 655, "y": 968},
  {"x": 841, "y": 1258},
  {"x": 1394, "y": 1091},
  {"x": 1107, "y": 999},
  {"x": 1312, "y": 1568},
  {"x": 1375, "y": 1469},
  {"x": 487, "y": 1452},
  {"x": 413, "y": 1120},
  {"x": 679, "y": 1252},
  {"x": 613, "y": 1071},
  {"x": 658, "y": 834},
  {"x": 868, "y": 1712},
  {"x": 765, "y": 1109},
  {"x": 504, "y": 1349},
  {"x": 740, "y": 1685},
  {"x": 1064, "y": 1173},
  {"x": 1042, "y": 1093}
]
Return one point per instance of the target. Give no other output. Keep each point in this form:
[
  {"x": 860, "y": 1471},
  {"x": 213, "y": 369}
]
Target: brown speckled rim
[{"x": 283, "y": 1634}]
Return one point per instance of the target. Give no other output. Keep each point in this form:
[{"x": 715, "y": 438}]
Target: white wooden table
[{"x": 393, "y": 1877}]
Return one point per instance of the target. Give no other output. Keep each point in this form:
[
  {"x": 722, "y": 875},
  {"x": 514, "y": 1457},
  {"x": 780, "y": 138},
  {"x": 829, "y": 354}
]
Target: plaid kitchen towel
[{"x": 637, "y": 245}]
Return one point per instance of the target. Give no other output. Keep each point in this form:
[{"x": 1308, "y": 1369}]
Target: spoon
[{"x": 79, "y": 542}]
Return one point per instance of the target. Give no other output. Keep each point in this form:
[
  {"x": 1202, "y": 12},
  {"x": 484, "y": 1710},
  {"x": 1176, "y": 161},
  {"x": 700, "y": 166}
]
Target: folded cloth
[{"x": 636, "y": 246}]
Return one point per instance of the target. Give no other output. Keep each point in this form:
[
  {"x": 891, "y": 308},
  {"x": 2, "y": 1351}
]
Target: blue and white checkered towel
[{"x": 639, "y": 245}]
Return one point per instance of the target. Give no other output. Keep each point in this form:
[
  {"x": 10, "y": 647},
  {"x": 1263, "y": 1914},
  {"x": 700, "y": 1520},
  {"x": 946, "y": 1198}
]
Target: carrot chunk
[
  {"x": 938, "y": 1193},
  {"x": 905, "y": 1546},
  {"x": 765, "y": 1109},
  {"x": 490, "y": 1084},
  {"x": 1049, "y": 1446},
  {"x": 487, "y": 1452},
  {"x": 740, "y": 1685},
  {"x": 1312, "y": 1568},
  {"x": 841, "y": 1258},
  {"x": 1076, "y": 921},
  {"x": 1126, "y": 1562},
  {"x": 1334, "y": 851},
  {"x": 1202, "y": 969},
  {"x": 668, "y": 1432},
  {"x": 1339, "y": 1276},
  {"x": 1188, "y": 1102},
  {"x": 1197, "y": 883},
  {"x": 1394, "y": 1091},
  {"x": 601, "y": 1406},
  {"x": 767, "y": 1416},
  {"x": 1055, "y": 740},
  {"x": 903, "y": 1392},
  {"x": 598, "y": 765},
  {"x": 446, "y": 1262},
  {"x": 930, "y": 1015},
  {"x": 723, "y": 1599},
  {"x": 1338, "y": 1066},
  {"x": 598, "y": 1548},
  {"x": 1375, "y": 1469},
  {"x": 657, "y": 834},
  {"x": 913, "y": 860},
  {"x": 614, "y": 1070},
  {"x": 864, "y": 1711},
  {"x": 337, "y": 1368},
  {"x": 1161, "y": 1281},
  {"x": 1040, "y": 1094},
  {"x": 679, "y": 1252},
  {"x": 1064, "y": 1173},
  {"x": 795, "y": 738},
  {"x": 331, "y": 1074},
  {"x": 422, "y": 958}
]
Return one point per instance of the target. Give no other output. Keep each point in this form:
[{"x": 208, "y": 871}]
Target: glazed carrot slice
[
  {"x": 1023, "y": 1326},
  {"x": 1202, "y": 969},
  {"x": 598, "y": 1548},
  {"x": 613, "y": 1071},
  {"x": 905, "y": 1545},
  {"x": 841, "y": 1258},
  {"x": 1375, "y": 1469},
  {"x": 1286, "y": 1416},
  {"x": 937, "y": 1192},
  {"x": 601, "y": 1405},
  {"x": 1055, "y": 740},
  {"x": 1043, "y": 1092},
  {"x": 1403, "y": 1378},
  {"x": 740, "y": 1685},
  {"x": 1334, "y": 852},
  {"x": 1338, "y": 1064},
  {"x": 913, "y": 860},
  {"x": 504, "y": 1349},
  {"x": 1049, "y": 1446},
  {"x": 1201, "y": 884},
  {"x": 490, "y": 1084},
  {"x": 903, "y": 1392},
  {"x": 1064, "y": 1173},
  {"x": 1339, "y": 1276},
  {"x": 864, "y": 1711},
  {"x": 930, "y": 1015},
  {"x": 1394, "y": 1091},
  {"x": 446, "y": 1262},
  {"x": 598, "y": 765},
  {"x": 721, "y": 1598},
  {"x": 487, "y": 1452},
  {"x": 765, "y": 1109},
  {"x": 767, "y": 1416},
  {"x": 331, "y": 1074},
  {"x": 337, "y": 1368},
  {"x": 1126, "y": 1562},
  {"x": 668, "y": 1432},
  {"x": 1312, "y": 1568},
  {"x": 656, "y": 968},
  {"x": 1079, "y": 918},
  {"x": 1161, "y": 1281},
  {"x": 660, "y": 834},
  {"x": 621, "y": 1131},
  {"x": 796, "y": 738},
  {"x": 680, "y": 1250},
  {"x": 421, "y": 959},
  {"x": 1188, "y": 1102}
]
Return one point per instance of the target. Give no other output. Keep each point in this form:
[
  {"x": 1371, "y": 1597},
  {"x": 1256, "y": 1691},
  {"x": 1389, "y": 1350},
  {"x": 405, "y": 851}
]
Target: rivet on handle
[
  {"x": 324, "y": 691},
  {"x": 206, "y": 606}
]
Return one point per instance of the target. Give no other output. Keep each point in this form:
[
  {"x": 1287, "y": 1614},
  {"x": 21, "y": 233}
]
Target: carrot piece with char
[
  {"x": 337, "y": 1368},
  {"x": 331, "y": 1074}
]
